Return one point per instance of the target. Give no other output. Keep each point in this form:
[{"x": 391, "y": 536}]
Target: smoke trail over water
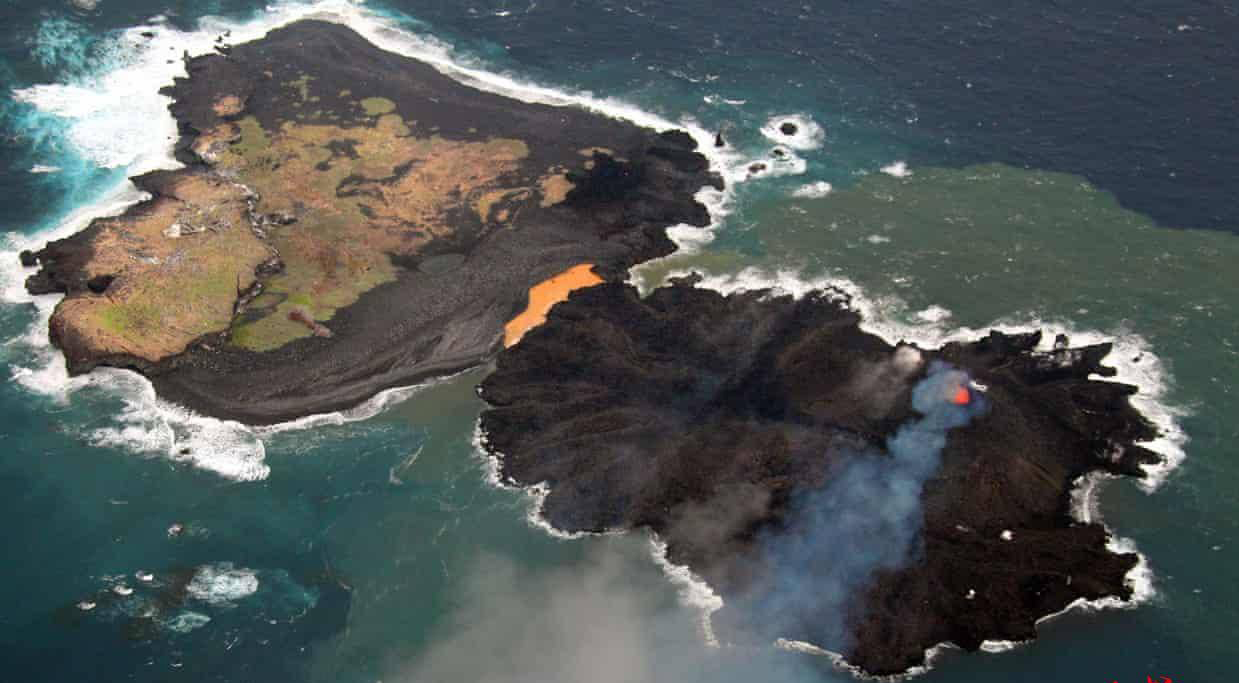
[{"x": 866, "y": 518}]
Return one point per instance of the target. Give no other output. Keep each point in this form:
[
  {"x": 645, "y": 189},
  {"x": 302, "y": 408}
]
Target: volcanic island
[
  {"x": 708, "y": 419},
  {"x": 349, "y": 220}
]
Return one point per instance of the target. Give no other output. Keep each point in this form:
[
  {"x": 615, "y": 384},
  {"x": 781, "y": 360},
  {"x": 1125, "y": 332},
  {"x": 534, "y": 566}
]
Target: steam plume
[{"x": 866, "y": 518}]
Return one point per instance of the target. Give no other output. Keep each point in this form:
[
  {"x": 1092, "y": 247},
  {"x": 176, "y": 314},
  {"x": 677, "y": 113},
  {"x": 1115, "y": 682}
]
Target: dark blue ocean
[{"x": 1069, "y": 166}]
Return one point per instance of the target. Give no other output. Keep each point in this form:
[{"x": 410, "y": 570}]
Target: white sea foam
[
  {"x": 43, "y": 168},
  {"x": 693, "y": 591},
  {"x": 715, "y": 99},
  {"x": 536, "y": 493},
  {"x": 147, "y": 424},
  {"x": 933, "y": 314},
  {"x": 931, "y": 655},
  {"x": 117, "y": 118},
  {"x": 690, "y": 239},
  {"x": 1139, "y": 579},
  {"x": 813, "y": 190},
  {"x": 808, "y": 134},
  {"x": 841, "y": 664},
  {"x": 1085, "y": 509},
  {"x": 780, "y": 162},
  {"x": 372, "y": 407},
  {"x": 1084, "y": 496},
  {"x": 222, "y": 583},
  {"x": 536, "y": 517},
  {"x": 186, "y": 621},
  {"x": 898, "y": 169}
]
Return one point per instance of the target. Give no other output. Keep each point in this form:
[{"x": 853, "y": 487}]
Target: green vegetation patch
[
  {"x": 376, "y": 106},
  {"x": 302, "y": 85},
  {"x": 358, "y": 194},
  {"x": 130, "y": 318}
]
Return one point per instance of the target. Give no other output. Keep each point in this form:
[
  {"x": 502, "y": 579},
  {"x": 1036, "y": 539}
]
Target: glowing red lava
[{"x": 961, "y": 397}]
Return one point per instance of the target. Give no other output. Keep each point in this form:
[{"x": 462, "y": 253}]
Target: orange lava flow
[
  {"x": 546, "y": 294},
  {"x": 961, "y": 397}
]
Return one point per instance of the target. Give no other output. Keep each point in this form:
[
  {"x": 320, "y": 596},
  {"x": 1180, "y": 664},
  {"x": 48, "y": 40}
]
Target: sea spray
[{"x": 865, "y": 519}]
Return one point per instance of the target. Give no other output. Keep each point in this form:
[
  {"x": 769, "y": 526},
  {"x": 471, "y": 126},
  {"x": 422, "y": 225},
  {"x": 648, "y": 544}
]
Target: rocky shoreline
[
  {"x": 350, "y": 220},
  {"x": 708, "y": 418}
]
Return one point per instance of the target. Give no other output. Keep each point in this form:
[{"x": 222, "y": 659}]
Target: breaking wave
[
  {"x": 693, "y": 590},
  {"x": 798, "y": 131},
  {"x": 897, "y": 169},
  {"x": 222, "y": 583},
  {"x": 815, "y": 190}
]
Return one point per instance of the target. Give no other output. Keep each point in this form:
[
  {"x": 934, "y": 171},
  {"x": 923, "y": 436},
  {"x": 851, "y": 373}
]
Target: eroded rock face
[
  {"x": 332, "y": 186},
  {"x": 708, "y": 418}
]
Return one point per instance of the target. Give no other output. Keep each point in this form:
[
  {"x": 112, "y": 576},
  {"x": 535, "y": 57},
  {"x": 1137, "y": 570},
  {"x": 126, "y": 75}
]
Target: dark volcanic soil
[
  {"x": 431, "y": 320},
  {"x": 702, "y": 417}
]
